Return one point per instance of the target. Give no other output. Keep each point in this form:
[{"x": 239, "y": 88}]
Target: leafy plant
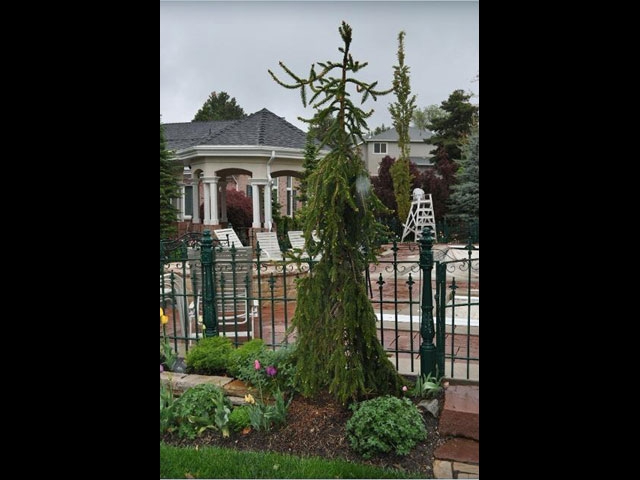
[
  {"x": 210, "y": 356},
  {"x": 244, "y": 355},
  {"x": 385, "y": 424},
  {"x": 263, "y": 416},
  {"x": 201, "y": 407},
  {"x": 427, "y": 387},
  {"x": 166, "y": 408},
  {"x": 239, "y": 418},
  {"x": 276, "y": 369},
  {"x": 221, "y": 416}
]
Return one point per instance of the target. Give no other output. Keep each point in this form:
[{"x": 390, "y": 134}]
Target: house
[
  {"x": 375, "y": 148},
  {"x": 261, "y": 155}
]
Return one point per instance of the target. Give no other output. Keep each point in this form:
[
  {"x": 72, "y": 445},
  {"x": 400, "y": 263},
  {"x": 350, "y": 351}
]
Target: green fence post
[
  {"x": 427, "y": 331},
  {"x": 208, "y": 306}
]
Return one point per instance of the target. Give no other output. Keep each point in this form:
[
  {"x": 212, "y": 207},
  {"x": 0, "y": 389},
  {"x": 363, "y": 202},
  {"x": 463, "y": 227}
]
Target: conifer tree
[
  {"x": 465, "y": 196},
  {"x": 219, "y": 106},
  {"x": 338, "y": 348},
  {"x": 401, "y": 113},
  {"x": 168, "y": 190}
]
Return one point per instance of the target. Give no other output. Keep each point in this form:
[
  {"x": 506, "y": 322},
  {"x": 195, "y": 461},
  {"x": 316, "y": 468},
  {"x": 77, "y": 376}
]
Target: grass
[{"x": 212, "y": 462}]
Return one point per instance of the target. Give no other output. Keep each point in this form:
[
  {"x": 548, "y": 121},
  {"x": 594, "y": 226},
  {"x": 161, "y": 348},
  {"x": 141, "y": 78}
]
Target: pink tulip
[{"x": 256, "y": 365}]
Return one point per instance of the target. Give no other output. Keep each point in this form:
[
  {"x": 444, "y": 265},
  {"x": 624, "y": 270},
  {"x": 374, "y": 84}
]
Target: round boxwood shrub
[
  {"x": 385, "y": 424},
  {"x": 210, "y": 356}
]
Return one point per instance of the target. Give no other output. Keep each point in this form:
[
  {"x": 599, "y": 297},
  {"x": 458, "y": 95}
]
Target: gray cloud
[{"x": 228, "y": 46}]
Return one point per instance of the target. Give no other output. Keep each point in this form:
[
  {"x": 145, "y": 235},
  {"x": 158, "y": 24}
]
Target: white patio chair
[{"x": 269, "y": 246}]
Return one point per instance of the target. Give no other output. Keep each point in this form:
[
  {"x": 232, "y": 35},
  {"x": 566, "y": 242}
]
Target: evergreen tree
[
  {"x": 451, "y": 131},
  {"x": 401, "y": 112},
  {"x": 309, "y": 164},
  {"x": 423, "y": 117},
  {"x": 338, "y": 348},
  {"x": 219, "y": 107},
  {"x": 168, "y": 190},
  {"x": 380, "y": 129},
  {"x": 465, "y": 196},
  {"x": 318, "y": 131}
]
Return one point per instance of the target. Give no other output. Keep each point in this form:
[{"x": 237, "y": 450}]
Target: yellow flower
[
  {"x": 161, "y": 311},
  {"x": 164, "y": 319},
  {"x": 249, "y": 399}
]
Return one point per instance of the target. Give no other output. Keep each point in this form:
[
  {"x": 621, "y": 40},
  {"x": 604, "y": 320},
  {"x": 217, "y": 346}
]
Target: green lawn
[{"x": 210, "y": 462}]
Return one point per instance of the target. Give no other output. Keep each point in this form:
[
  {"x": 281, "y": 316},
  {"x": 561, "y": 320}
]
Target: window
[
  {"x": 291, "y": 204},
  {"x": 249, "y": 191},
  {"x": 379, "y": 148},
  {"x": 188, "y": 200}
]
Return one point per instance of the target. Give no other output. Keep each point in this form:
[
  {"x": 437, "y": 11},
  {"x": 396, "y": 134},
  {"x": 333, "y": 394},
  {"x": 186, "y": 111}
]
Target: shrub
[
  {"x": 201, "y": 407},
  {"x": 385, "y": 424},
  {"x": 244, "y": 355},
  {"x": 275, "y": 369},
  {"x": 239, "y": 209},
  {"x": 239, "y": 418},
  {"x": 210, "y": 356}
]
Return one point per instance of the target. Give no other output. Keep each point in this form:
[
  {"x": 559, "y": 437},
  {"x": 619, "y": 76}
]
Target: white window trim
[{"x": 386, "y": 148}]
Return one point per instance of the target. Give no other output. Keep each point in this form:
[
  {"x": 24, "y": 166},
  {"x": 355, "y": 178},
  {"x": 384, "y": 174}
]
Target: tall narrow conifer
[{"x": 338, "y": 348}]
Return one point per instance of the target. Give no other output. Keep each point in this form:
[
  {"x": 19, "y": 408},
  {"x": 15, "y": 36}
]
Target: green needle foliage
[
  {"x": 402, "y": 112},
  {"x": 168, "y": 190},
  {"x": 337, "y": 344}
]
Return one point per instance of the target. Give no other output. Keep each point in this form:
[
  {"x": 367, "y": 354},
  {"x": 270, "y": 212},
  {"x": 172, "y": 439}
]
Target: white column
[
  {"x": 181, "y": 204},
  {"x": 255, "y": 196},
  {"x": 207, "y": 204},
  {"x": 196, "y": 201},
  {"x": 223, "y": 201},
  {"x": 268, "y": 220},
  {"x": 215, "y": 217}
]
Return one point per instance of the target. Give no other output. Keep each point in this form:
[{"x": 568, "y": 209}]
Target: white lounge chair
[
  {"x": 235, "y": 309},
  {"x": 296, "y": 238},
  {"x": 228, "y": 237},
  {"x": 269, "y": 246}
]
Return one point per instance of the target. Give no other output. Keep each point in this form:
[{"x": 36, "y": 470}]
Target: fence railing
[{"x": 250, "y": 298}]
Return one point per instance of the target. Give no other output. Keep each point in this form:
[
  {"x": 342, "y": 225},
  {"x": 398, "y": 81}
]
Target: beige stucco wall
[{"x": 372, "y": 160}]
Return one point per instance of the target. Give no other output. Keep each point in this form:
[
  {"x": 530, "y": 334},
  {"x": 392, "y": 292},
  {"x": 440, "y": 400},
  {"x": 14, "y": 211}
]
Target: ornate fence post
[
  {"x": 427, "y": 331},
  {"x": 208, "y": 305}
]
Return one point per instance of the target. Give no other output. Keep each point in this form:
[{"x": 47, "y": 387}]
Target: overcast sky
[{"x": 208, "y": 46}]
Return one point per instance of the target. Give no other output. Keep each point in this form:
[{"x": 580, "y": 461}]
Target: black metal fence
[{"x": 250, "y": 298}]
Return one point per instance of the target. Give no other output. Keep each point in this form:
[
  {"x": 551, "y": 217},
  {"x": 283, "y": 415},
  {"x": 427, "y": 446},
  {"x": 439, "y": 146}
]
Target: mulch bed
[{"x": 316, "y": 427}]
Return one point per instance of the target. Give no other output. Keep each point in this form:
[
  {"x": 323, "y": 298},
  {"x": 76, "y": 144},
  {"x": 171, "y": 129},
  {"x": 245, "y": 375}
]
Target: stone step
[
  {"x": 233, "y": 388},
  {"x": 460, "y": 415},
  {"x": 461, "y": 450},
  {"x": 457, "y": 458},
  {"x": 181, "y": 381}
]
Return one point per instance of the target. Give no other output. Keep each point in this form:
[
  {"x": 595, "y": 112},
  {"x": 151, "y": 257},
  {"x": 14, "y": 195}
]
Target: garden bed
[{"x": 316, "y": 427}]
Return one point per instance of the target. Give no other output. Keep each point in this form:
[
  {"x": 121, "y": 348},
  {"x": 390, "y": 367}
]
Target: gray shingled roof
[
  {"x": 391, "y": 135},
  {"x": 183, "y": 135},
  {"x": 260, "y": 128}
]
